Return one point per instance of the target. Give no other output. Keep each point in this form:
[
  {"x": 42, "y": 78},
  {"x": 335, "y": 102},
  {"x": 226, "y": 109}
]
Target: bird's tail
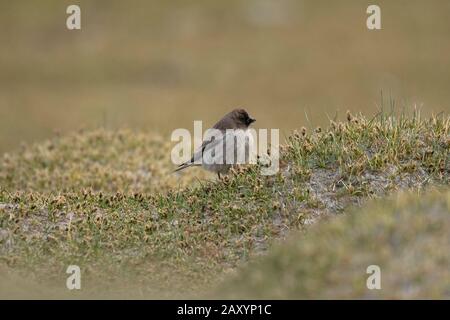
[{"x": 184, "y": 166}]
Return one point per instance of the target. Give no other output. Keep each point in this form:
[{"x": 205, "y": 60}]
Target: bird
[{"x": 233, "y": 129}]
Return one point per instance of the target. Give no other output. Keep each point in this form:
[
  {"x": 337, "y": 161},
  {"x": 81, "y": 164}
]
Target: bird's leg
[{"x": 218, "y": 174}]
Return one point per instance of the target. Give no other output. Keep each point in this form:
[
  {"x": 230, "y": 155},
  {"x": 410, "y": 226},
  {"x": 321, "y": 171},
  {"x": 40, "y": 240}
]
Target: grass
[
  {"x": 105, "y": 161},
  {"x": 406, "y": 236},
  {"x": 106, "y": 201}
]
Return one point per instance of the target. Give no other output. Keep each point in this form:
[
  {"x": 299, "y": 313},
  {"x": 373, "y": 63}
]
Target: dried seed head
[
  {"x": 349, "y": 116},
  {"x": 303, "y": 131}
]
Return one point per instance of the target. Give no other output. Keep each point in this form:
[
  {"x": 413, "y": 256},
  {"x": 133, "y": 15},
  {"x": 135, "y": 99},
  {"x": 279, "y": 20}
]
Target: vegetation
[
  {"x": 106, "y": 202},
  {"x": 407, "y": 237}
]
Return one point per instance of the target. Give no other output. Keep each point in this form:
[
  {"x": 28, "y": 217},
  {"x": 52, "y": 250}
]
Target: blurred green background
[{"x": 159, "y": 65}]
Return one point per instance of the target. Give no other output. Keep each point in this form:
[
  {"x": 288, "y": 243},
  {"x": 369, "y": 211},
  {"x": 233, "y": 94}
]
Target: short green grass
[{"x": 107, "y": 201}]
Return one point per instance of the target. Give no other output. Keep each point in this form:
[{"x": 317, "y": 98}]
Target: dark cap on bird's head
[
  {"x": 236, "y": 119},
  {"x": 242, "y": 116}
]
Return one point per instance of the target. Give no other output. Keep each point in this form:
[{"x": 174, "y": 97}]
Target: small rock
[
  {"x": 8, "y": 206},
  {"x": 4, "y": 234}
]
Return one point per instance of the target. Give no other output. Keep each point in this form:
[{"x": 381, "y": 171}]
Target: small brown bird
[{"x": 234, "y": 130}]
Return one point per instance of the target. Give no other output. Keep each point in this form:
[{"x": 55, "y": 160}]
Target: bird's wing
[
  {"x": 233, "y": 147},
  {"x": 208, "y": 144}
]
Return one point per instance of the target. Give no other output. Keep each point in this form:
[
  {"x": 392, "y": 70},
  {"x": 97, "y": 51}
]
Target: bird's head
[{"x": 242, "y": 118}]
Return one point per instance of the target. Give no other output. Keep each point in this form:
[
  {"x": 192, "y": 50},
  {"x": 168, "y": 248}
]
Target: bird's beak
[{"x": 251, "y": 120}]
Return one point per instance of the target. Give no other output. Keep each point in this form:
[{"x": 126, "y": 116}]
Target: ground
[{"x": 109, "y": 202}]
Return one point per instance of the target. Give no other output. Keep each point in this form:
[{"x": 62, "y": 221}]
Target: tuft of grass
[
  {"x": 106, "y": 202},
  {"x": 407, "y": 237}
]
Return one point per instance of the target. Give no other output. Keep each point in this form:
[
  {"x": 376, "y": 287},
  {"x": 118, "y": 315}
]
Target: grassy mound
[
  {"x": 106, "y": 201},
  {"x": 408, "y": 237}
]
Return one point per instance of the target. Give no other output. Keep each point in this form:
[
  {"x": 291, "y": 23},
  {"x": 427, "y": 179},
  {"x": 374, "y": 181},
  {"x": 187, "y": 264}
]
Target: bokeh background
[{"x": 158, "y": 65}]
